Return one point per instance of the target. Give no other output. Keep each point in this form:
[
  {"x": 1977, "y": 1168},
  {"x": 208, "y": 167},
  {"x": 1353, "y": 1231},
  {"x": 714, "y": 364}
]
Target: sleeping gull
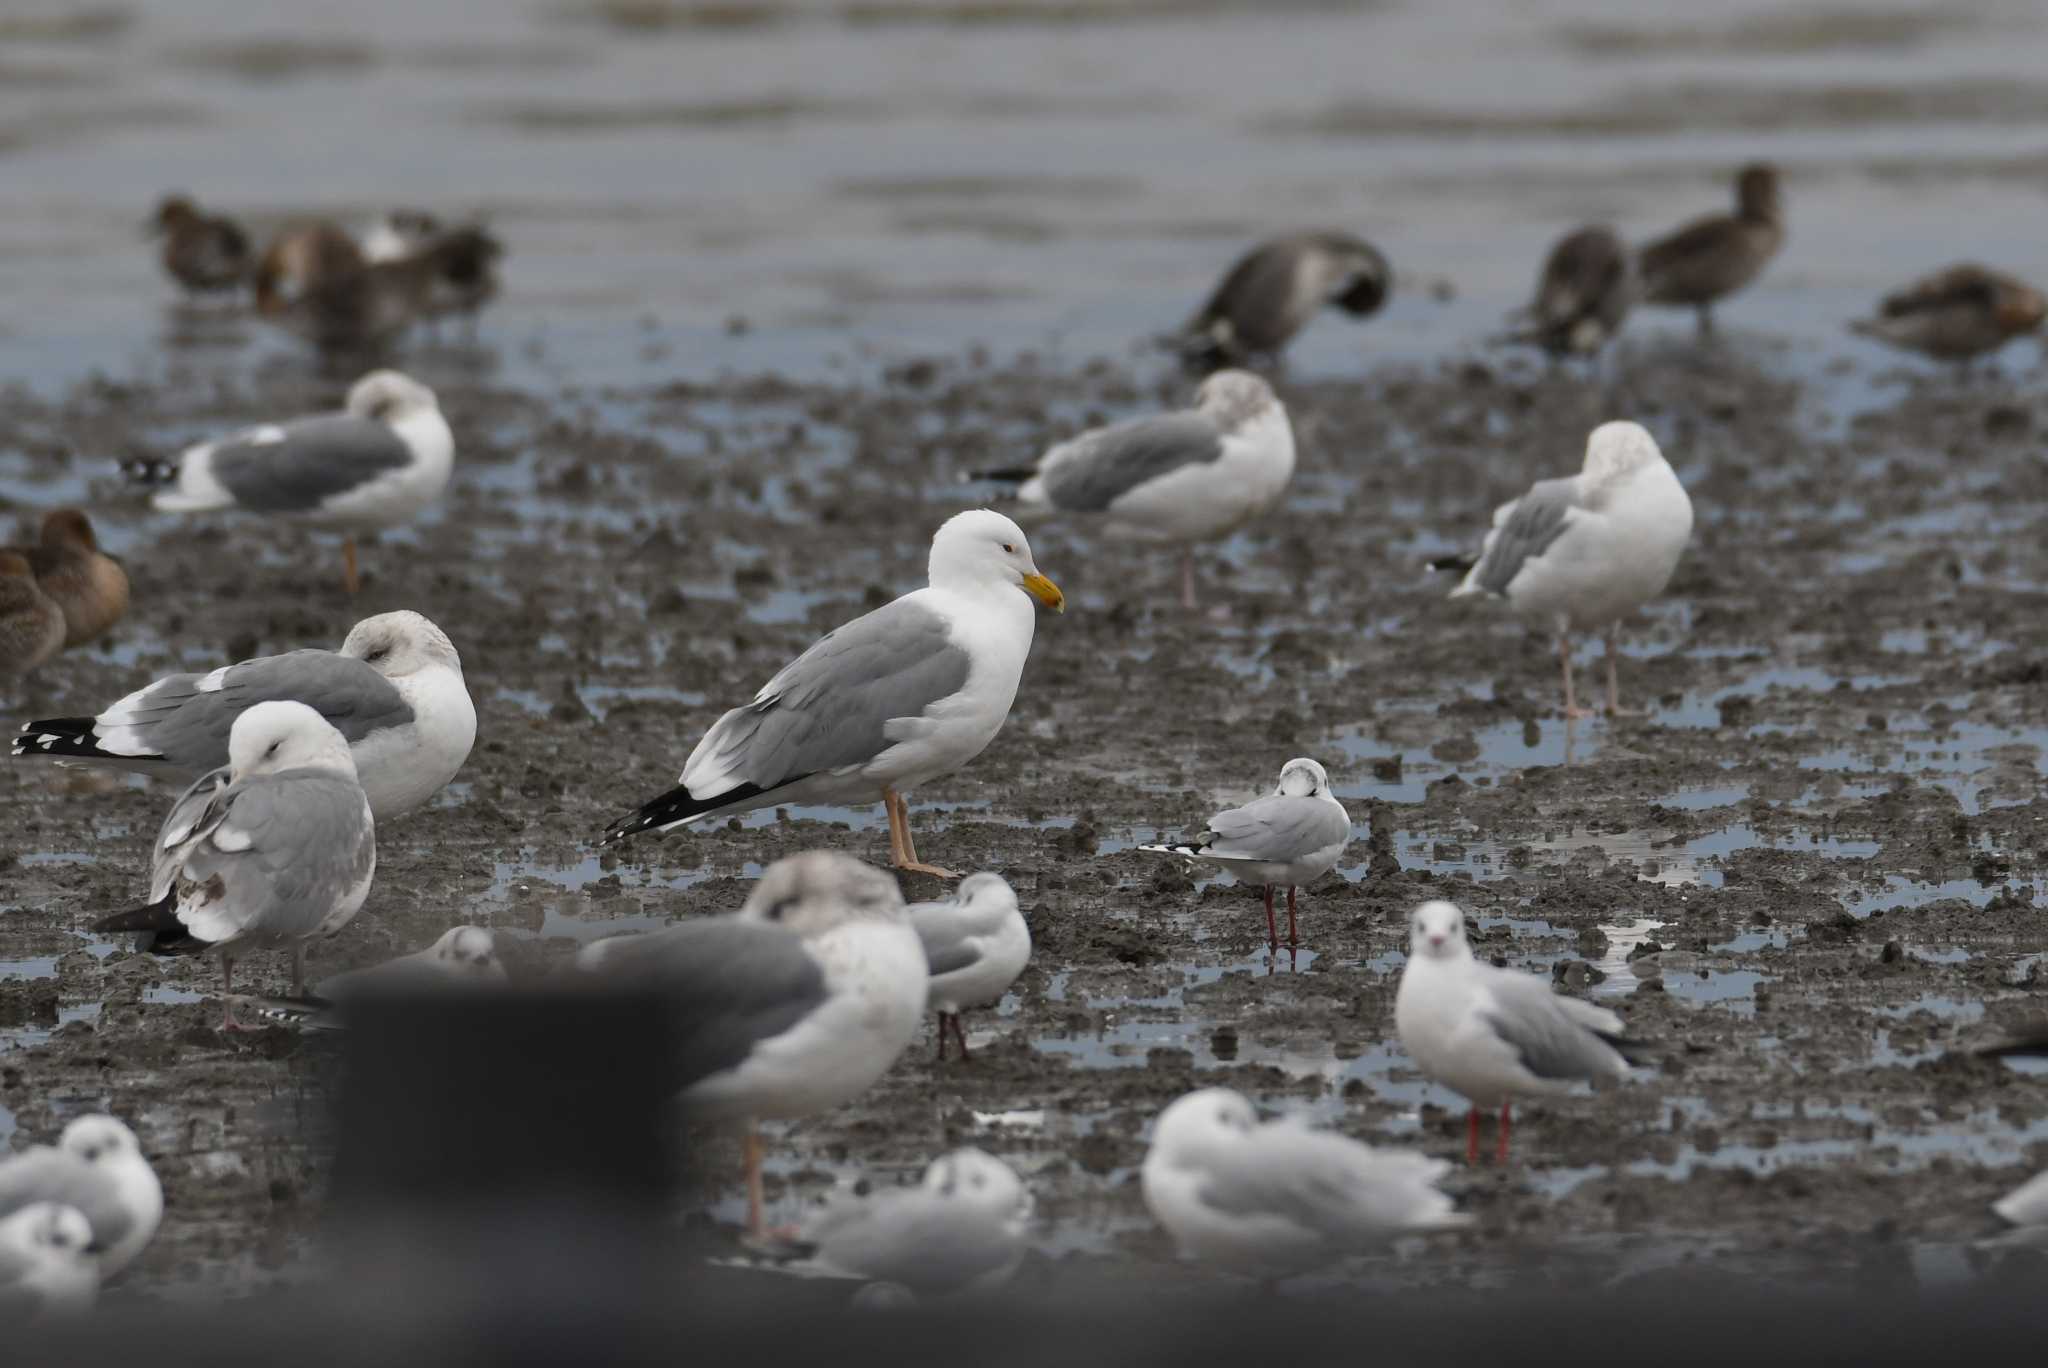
[
  {"x": 909, "y": 692},
  {"x": 1956, "y": 314},
  {"x": 31, "y": 626},
  {"x": 1292, "y": 836},
  {"x": 276, "y": 850},
  {"x": 1195, "y": 475},
  {"x": 462, "y": 957},
  {"x": 202, "y": 252},
  {"x": 395, "y": 692},
  {"x": 1718, "y": 254},
  {"x": 959, "y": 1231},
  {"x": 794, "y": 1005},
  {"x": 1494, "y": 1034},
  {"x": 976, "y": 943},
  {"x": 46, "y": 1268},
  {"x": 97, "y": 1167},
  {"x": 1277, "y": 1196},
  {"x": 86, "y": 583},
  {"x": 1584, "y": 293},
  {"x": 377, "y": 463},
  {"x": 1585, "y": 550},
  {"x": 1273, "y": 290}
]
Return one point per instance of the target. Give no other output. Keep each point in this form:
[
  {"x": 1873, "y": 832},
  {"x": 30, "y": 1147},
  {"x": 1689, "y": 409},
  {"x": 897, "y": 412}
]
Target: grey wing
[
  {"x": 314, "y": 460},
  {"x": 44, "y": 1174},
  {"x": 287, "y": 849},
  {"x": 1555, "y": 1037},
  {"x": 1342, "y": 1190},
  {"x": 948, "y": 937},
  {"x": 188, "y": 725},
  {"x": 1278, "y": 827},
  {"x": 192, "y": 818},
  {"x": 833, "y": 706},
  {"x": 906, "y": 1236},
  {"x": 1094, "y": 470},
  {"x": 1531, "y": 523}
]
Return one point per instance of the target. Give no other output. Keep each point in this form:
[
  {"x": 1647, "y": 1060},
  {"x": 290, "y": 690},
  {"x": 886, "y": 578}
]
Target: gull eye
[
  {"x": 778, "y": 909},
  {"x": 272, "y": 749},
  {"x": 1010, "y": 549}
]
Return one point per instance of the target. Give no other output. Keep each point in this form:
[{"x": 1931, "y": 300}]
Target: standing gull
[
  {"x": 1195, "y": 475},
  {"x": 31, "y": 626},
  {"x": 1494, "y": 1034},
  {"x": 1956, "y": 314},
  {"x": 1584, "y": 551},
  {"x": 976, "y": 944},
  {"x": 46, "y": 1264},
  {"x": 1292, "y": 836},
  {"x": 278, "y": 849},
  {"x": 1582, "y": 297},
  {"x": 796, "y": 1004},
  {"x": 909, "y": 692},
  {"x": 959, "y": 1231},
  {"x": 1273, "y": 290},
  {"x": 1718, "y": 254},
  {"x": 376, "y": 464},
  {"x": 97, "y": 1167},
  {"x": 1277, "y": 1196},
  {"x": 394, "y": 691},
  {"x": 85, "y": 582},
  {"x": 202, "y": 252}
]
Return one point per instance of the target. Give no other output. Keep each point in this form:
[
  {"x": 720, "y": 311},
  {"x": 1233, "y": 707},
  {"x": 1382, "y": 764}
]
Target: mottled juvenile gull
[
  {"x": 202, "y": 252},
  {"x": 976, "y": 944},
  {"x": 97, "y": 1167},
  {"x": 1292, "y": 836},
  {"x": 278, "y": 849},
  {"x": 31, "y": 626},
  {"x": 1582, "y": 297},
  {"x": 85, "y": 582},
  {"x": 1276, "y": 1196},
  {"x": 46, "y": 1268},
  {"x": 1186, "y": 477},
  {"x": 1492, "y": 1034},
  {"x": 376, "y": 464},
  {"x": 959, "y": 1231},
  {"x": 1718, "y": 254},
  {"x": 394, "y": 691},
  {"x": 1273, "y": 290},
  {"x": 1956, "y": 314},
  {"x": 794, "y": 1005},
  {"x": 1584, "y": 551},
  {"x": 909, "y": 692}
]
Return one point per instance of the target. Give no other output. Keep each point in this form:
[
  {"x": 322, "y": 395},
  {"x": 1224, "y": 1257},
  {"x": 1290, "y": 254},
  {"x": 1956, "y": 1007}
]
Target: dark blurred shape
[
  {"x": 1582, "y": 297},
  {"x": 1718, "y": 254},
  {"x": 1956, "y": 314},
  {"x": 1273, "y": 291},
  {"x": 202, "y": 252},
  {"x": 316, "y": 282}
]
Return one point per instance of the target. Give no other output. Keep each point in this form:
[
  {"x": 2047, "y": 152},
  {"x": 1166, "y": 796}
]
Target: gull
[
  {"x": 394, "y": 691},
  {"x": 202, "y": 252},
  {"x": 909, "y": 692},
  {"x": 1292, "y": 836},
  {"x": 31, "y": 626},
  {"x": 1274, "y": 289},
  {"x": 46, "y": 1271},
  {"x": 1277, "y": 1196},
  {"x": 376, "y": 464},
  {"x": 1718, "y": 254},
  {"x": 1956, "y": 314},
  {"x": 794, "y": 1005},
  {"x": 1582, "y": 552},
  {"x": 462, "y": 957},
  {"x": 1582, "y": 297},
  {"x": 1184, "y": 477},
  {"x": 86, "y": 583},
  {"x": 960, "y": 1231},
  {"x": 97, "y": 1167},
  {"x": 1493, "y": 1034},
  {"x": 976, "y": 944},
  {"x": 277, "y": 849}
]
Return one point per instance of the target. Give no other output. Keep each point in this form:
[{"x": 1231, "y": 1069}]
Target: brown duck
[
  {"x": 31, "y": 627},
  {"x": 1273, "y": 290},
  {"x": 315, "y": 281},
  {"x": 1719, "y": 254},
  {"x": 202, "y": 252},
  {"x": 1956, "y": 314},
  {"x": 88, "y": 586},
  {"x": 1582, "y": 297}
]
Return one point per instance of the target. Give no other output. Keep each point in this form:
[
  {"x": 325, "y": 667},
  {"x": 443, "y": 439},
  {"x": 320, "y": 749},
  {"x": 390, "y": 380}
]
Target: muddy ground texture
[{"x": 1811, "y": 871}]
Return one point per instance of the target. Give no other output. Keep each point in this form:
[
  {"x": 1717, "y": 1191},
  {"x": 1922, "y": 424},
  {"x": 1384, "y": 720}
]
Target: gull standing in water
[
  {"x": 976, "y": 944},
  {"x": 1272, "y": 292},
  {"x": 1292, "y": 836},
  {"x": 1494, "y": 1034},
  {"x": 909, "y": 692},
  {"x": 1582, "y": 552}
]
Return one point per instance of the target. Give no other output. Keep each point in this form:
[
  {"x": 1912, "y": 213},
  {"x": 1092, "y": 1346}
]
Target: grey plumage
[
  {"x": 1556, "y": 1037},
  {"x": 1278, "y": 828},
  {"x": 1531, "y": 524},
  {"x": 47, "y": 1174},
  {"x": 1091, "y": 472},
  {"x": 314, "y": 460}
]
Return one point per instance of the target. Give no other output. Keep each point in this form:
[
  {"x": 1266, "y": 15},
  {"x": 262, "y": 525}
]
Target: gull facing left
[{"x": 904, "y": 694}]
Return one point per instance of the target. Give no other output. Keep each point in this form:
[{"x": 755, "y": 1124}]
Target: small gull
[
  {"x": 462, "y": 957},
  {"x": 394, "y": 691},
  {"x": 202, "y": 252},
  {"x": 1191, "y": 476},
  {"x": 85, "y": 582},
  {"x": 1718, "y": 254},
  {"x": 1492, "y": 1034},
  {"x": 911, "y": 691},
  {"x": 1277, "y": 1196},
  {"x": 1956, "y": 314},
  {"x": 794, "y": 1005},
  {"x": 1583, "y": 551},
  {"x": 31, "y": 626},
  {"x": 96, "y": 1166},
  {"x": 376, "y": 464},
  {"x": 976, "y": 943},
  {"x": 1273, "y": 290},
  {"x": 277, "y": 849},
  {"x": 1292, "y": 836},
  {"x": 960, "y": 1231},
  {"x": 46, "y": 1268},
  {"x": 1582, "y": 297}
]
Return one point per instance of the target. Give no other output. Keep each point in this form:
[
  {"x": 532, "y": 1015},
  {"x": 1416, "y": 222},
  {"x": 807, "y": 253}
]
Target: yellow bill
[{"x": 1046, "y": 592}]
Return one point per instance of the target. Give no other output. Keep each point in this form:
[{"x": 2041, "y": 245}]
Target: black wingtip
[
  {"x": 159, "y": 919},
  {"x": 1462, "y": 564},
  {"x": 1008, "y": 475},
  {"x": 677, "y": 805},
  {"x": 147, "y": 470},
  {"x": 58, "y": 736}
]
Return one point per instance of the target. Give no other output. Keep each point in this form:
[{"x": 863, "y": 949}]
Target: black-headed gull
[
  {"x": 961, "y": 1230},
  {"x": 976, "y": 943},
  {"x": 98, "y": 1167}
]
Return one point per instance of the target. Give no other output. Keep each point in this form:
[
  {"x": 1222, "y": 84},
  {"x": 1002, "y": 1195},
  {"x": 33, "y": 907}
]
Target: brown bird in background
[
  {"x": 1718, "y": 254},
  {"x": 316, "y": 282},
  {"x": 202, "y": 252},
  {"x": 1273, "y": 291},
  {"x": 1956, "y": 314},
  {"x": 88, "y": 586},
  {"x": 31, "y": 627},
  {"x": 1582, "y": 297}
]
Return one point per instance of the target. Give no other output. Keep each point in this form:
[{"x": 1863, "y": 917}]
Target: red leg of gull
[
  {"x": 1292, "y": 939},
  {"x": 1501, "y": 1153},
  {"x": 960, "y": 1034},
  {"x": 756, "y": 1225},
  {"x": 1564, "y": 659},
  {"x": 1272, "y": 931},
  {"x": 227, "y": 992},
  {"x": 1472, "y": 1136}
]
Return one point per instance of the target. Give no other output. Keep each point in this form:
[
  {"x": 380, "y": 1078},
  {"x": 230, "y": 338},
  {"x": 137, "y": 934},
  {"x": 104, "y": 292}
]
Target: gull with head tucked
[
  {"x": 976, "y": 943},
  {"x": 98, "y": 1167}
]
